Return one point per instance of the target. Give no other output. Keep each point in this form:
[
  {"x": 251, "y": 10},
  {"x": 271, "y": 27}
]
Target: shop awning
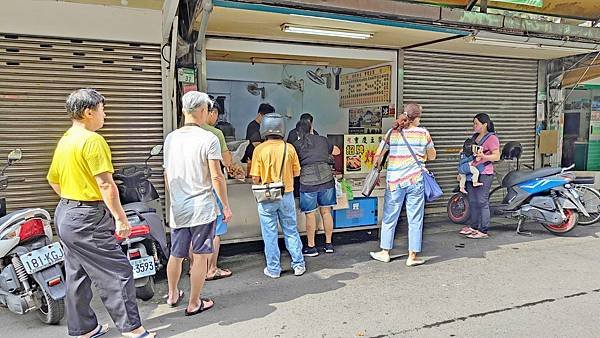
[
  {"x": 578, "y": 9},
  {"x": 256, "y": 21}
]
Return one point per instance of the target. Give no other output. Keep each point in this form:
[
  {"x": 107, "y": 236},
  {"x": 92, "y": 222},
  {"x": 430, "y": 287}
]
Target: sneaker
[
  {"x": 381, "y": 256},
  {"x": 271, "y": 274},
  {"x": 328, "y": 248},
  {"x": 310, "y": 251},
  {"x": 299, "y": 270},
  {"x": 414, "y": 262}
]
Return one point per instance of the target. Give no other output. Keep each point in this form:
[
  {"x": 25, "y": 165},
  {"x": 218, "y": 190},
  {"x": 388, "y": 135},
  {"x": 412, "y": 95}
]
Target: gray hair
[
  {"x": 193, "y": 100},
  {"x": 82, "y": 99}
]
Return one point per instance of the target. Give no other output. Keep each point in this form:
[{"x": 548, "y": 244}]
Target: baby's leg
[
  {"x": 462, "y": 182},
  {"x": 475, "y": 173}
]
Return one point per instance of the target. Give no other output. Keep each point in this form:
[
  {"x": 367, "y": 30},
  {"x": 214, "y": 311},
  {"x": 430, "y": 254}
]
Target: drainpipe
[{"x": 200, "y": 51}]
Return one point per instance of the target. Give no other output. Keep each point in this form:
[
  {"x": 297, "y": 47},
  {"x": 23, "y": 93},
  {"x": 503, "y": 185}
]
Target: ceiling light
[
  {"x": 341, "y": 33},
  {"x": 289, "y": 61}
]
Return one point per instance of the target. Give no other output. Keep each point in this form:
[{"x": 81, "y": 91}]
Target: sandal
[
  {"x": 201, "y": 308},
  {"x": 100, "y": 330},
  {"x": 220, "y": 274},
  {"x": 467, "y": 231},
  {"x": 144, "y": 334},
  {"x": 181, "y": 294},
  {"x": 478, "y": 235}
]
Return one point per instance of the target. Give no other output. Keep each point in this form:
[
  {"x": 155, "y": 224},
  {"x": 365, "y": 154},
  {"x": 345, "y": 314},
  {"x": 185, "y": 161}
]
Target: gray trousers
[{"x": 92, "y": 254}]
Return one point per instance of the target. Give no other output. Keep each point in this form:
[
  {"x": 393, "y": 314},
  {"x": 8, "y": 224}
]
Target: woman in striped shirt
[{"x": 405, "y": 182}]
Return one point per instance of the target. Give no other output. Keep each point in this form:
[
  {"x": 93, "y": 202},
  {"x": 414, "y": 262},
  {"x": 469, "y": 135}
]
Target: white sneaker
[
  {"x": 299, "y": 270},
  {"x": 270, "y": 274},
  {"x": 380, "y": 256}
]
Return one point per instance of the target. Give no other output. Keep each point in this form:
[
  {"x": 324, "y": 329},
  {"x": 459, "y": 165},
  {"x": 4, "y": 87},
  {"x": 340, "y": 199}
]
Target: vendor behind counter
[{"x": 253, "y": 129}]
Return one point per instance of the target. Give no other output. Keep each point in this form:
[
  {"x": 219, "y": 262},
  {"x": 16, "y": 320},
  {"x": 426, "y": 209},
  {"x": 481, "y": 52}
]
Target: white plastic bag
[{"x": 237, "y": 169}]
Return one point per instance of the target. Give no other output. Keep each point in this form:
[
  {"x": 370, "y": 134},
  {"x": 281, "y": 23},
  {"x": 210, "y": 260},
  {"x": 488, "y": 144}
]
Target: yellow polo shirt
[
  {"x": 79, "y": 156},
  {"x": 266, "y": 163}
]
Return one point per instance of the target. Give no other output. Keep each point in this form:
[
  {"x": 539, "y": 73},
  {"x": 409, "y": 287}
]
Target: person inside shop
[
  {"x": 253, "y": 130},
  {"x": 293, "y": 134},
  {"x": 405, "y": 183},
  {"x": 479, "y": 196},
  {"x": 277, "y": 161},
  {"x": 317, "y": 184}
]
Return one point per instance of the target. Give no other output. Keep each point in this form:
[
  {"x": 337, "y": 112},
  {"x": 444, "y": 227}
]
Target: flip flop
[
  {"x": 101, "y": 330},
  {"x": 176, "y": 304},
  {"x": 201, "y": 308},
  {"x": 144, "y": 335},
  {"x": 219, "y": 274}
]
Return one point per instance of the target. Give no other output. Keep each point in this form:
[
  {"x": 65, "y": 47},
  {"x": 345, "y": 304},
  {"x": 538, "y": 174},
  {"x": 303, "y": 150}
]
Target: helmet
[
  {"x": 512, "y": 150},
  {"x": 272, "y": 124}
]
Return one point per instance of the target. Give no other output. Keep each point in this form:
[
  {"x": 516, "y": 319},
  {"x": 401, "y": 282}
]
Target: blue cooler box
[{"x": 361, "y": 212}]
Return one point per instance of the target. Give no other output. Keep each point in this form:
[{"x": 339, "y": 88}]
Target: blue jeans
[
  {"x": 311, "y": 201},
  {"x": 284, "y": 213},
  {"x": 415, "y": 209}
]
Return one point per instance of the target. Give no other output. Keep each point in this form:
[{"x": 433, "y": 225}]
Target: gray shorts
[{"x": 199, "y": 237}]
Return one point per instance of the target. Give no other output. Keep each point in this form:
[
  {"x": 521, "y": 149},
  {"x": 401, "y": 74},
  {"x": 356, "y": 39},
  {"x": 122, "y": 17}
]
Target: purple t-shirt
[{"x": 492, "y": 143}]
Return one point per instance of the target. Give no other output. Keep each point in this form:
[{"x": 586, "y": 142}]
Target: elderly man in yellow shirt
[{"x": 87, "y": 218}]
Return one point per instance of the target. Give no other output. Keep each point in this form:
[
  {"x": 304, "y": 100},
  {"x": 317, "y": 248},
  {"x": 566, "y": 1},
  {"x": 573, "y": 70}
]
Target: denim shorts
[
  {"x": 199, "y": 237},
  {"x": 311, "y": 201}
]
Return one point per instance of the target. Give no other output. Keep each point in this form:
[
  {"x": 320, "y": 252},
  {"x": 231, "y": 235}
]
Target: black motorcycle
[{"x": 146, "y": 247}]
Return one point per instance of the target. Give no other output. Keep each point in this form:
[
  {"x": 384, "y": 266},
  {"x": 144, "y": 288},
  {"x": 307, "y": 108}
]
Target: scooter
[
  {"x": 31, "y": 277},
  {"x": 146, "y": 247},
  {"x": 545, "y": 195}
]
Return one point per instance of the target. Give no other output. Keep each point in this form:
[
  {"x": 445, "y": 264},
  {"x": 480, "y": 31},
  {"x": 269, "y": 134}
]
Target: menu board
[
  {"x": 372, "y": 86},
  {"x": 359, "y": 152}
]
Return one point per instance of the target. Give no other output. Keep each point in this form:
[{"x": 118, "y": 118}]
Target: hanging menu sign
[{"x": 366, "y": 87}]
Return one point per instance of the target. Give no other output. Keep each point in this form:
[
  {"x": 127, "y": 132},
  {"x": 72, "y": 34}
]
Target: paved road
[{"x": 505, "y": 286}]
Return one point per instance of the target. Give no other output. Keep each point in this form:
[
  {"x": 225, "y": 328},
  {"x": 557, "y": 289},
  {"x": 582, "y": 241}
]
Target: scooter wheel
[
  {"x": 51, "y": 311},
  {"x": 458, "y": 208},
  {"x": 146, "y": 292},
  {"x": 566, "y": 226}
]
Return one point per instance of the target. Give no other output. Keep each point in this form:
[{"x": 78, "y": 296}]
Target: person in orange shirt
[{"x": 267, "y": 168}]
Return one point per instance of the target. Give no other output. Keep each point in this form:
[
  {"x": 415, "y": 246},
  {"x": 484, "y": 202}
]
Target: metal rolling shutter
[
  {"x": 37, "y": 74},
  {"x": 454, "y": 88}
]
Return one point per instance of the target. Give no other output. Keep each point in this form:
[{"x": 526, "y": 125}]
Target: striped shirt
[{"x": 402, "y": 170}]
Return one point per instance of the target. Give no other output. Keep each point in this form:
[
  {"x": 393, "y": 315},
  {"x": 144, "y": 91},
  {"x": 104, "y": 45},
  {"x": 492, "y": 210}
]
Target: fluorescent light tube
[{"x": 341, "y": 33}]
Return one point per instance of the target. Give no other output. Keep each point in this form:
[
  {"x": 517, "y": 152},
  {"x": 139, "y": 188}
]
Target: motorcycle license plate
[
  {"x": 143, "y": 267},
  {"x": 42, "y": 258}
]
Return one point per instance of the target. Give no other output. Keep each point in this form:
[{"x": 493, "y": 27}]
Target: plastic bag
[
  {"x": 237, "y": 169},
  {"x": 347, "y": 188}
]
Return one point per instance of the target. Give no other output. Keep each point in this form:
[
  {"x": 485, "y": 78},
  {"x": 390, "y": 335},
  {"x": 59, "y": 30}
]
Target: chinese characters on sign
[
  {"x": 359, "y": 152},
  {"x": 367, "y": 87}
]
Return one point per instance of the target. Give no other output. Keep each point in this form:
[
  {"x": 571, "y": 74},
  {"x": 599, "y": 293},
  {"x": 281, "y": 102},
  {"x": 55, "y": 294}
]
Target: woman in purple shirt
[{"x": 479, "y": 197}]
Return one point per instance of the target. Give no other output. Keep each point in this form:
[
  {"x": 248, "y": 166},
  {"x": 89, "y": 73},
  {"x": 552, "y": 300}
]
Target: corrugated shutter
[
  {"x": 37, "y": 74},
  {"x": 454, "y": 88}
]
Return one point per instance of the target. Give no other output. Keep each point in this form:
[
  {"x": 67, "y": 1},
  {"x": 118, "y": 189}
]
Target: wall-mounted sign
[
  {"x": 359, "y": 152},
  {"x": 365, "y": 120},
  {"x": 366, "y": 87},
  {"x": 186, "y": 75}
]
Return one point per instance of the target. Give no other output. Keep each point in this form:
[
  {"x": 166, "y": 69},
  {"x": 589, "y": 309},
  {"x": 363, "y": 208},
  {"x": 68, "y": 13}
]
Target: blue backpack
[{"x": 463, "y": 165}]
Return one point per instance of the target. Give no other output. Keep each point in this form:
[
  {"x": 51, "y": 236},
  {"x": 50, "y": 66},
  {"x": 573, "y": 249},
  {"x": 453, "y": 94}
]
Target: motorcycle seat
[
  {"x": 140, "y": 207},
  {"x": 515, "y": 177}
]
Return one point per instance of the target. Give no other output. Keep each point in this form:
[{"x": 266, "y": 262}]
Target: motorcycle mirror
[
  {"x": 15, "y": 156},
  {"x": 156, "y": 150}
]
